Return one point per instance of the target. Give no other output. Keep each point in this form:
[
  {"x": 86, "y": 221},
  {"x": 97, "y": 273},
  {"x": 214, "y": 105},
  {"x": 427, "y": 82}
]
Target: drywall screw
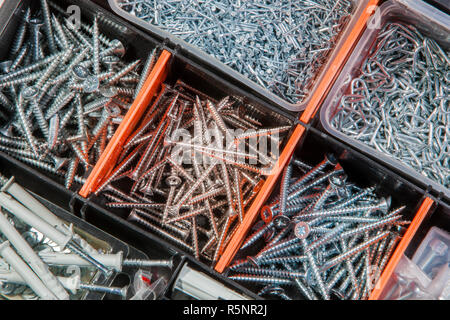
[
  {"x": 108, "y": 290},
  {"x": 48, "y": 26},
  {"x": 135, "y": 218},
  {"x": 261, "y": 279}
]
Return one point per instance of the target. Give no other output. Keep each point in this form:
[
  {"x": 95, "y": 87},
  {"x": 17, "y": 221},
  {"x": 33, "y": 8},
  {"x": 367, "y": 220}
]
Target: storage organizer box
[
  {"x": 428, "y": 20},
  {"x": 180, "y": 60}
]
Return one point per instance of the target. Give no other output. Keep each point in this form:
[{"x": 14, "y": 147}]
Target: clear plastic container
[
  {"x": 428, "y": 20},
  {"x": 358, "y": 8},
  {"x": 433, "y": 252}
]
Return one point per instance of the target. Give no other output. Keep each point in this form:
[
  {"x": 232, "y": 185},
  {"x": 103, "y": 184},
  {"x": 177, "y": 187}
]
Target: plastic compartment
[
  {"x": 174, "y": 294},
  {"x": 137, "y": 43},
  {"x": 365, "y": 173},
  {"x": 428, "y": 20},
  {"x": 181, "y": 68},
  {"x": 349, "y": 34},
  {"x": 435, "y": 225},
  {"x": 70, "y": 207},
  {"x": 97, "y": 238}
]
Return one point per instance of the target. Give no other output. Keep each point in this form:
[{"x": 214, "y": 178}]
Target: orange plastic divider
[
  {"x": 312, "y": 107},
  {"x": 396, "y": 256},
  {"x": 109, "y": 157},
  {"x": 338, "y": 62},
  {"x": 250, "y": 216}
]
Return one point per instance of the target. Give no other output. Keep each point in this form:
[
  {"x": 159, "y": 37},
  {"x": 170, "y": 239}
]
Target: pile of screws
[
  {"x": 399, "y": 102},
  {"x": 279, "y": 44},
  {"x": 64, "y": 92},
  {"x": 194, "y": 192},
  {"x": 43, "y": 259},
  {"x": 323, "y": 235}
]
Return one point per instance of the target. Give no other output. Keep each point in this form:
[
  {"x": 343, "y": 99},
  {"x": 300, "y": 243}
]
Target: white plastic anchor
[
  {"x": 31, "y": 257},
  {"x": 31, "y": 279},
  {"x": 67, "y": 259},
  {"x": 31, "y": 203},
  {"x": 63, "y": 240}
]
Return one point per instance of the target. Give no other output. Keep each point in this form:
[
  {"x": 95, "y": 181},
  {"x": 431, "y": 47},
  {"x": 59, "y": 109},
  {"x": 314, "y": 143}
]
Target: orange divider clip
[
  {"x": 109, "y": 157},
  {"x": 235, "y": 243},
  {"x": 337, "y": 63},
  {"x": 397, "y": 255}
]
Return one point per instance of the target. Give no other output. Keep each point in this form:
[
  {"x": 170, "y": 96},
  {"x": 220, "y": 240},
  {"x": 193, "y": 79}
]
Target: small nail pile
[
  {"x": 64, "y": 92},
  {"x": 36, "y": 248},
  {"x": 399, "y": 103},
  {"x": 324, "y": 236},
  {"x": 196, "y": 198},
  {"x": 281, "y": 45}
]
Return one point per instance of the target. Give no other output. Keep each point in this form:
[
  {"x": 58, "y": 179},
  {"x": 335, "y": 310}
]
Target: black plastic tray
[{"x": 108, "y": 242}]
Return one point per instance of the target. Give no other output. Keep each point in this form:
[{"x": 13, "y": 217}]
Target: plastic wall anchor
[
  {"x": 33, "y": 260},
  {"x": 69, "y": 259},
  {"x": 25, "y": 272},
  {"x": 200, "y": 286},
  {"x": 31, "y": 203},
  {"x": 71, "y": 283},
  {"x": 34, "y": 221}
]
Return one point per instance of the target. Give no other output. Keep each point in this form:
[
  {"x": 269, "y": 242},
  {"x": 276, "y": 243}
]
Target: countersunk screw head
[
  {"x": 119, "y": 48},
  {"x": 36, "y": 22},
  {"x": 281, "y": 222},
  {"x": 173, "y": 181},
  {"x": 331, "y": 159},
  {"x": 266, "y": 214},
  {"x": 80, "y": 72},
  {"x": 30, "y": 93},
  {"x": 253, "y": 261},
  {"x": 301, "y": 230},
  {"x": 111, "y": 60},
  {"x": 108, "y": 91},
  {"x": 91, "y": 84}
]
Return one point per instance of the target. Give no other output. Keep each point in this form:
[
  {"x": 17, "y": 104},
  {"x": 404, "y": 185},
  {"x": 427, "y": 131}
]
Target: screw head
[
  {"x": 281, "y": 222},
  {"x": 173, "y": 181},
  {"x": 266, "y": 214},
  {"x": 119, "y": 48},
  {"x": 91, "y": 84},
  {"x": 301, "y": 230},
  {"x": 331, "y": 159},
  {"x": 111, "y": 60},
  {"x": 36, "y": 22},
  {"x": 30, "y": 93},
  {"x": 80, "y": 72},
  {"x": 108, "y": 91}
]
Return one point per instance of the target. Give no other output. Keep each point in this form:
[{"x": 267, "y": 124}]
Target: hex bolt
[{"x": 438, "y": 248}]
